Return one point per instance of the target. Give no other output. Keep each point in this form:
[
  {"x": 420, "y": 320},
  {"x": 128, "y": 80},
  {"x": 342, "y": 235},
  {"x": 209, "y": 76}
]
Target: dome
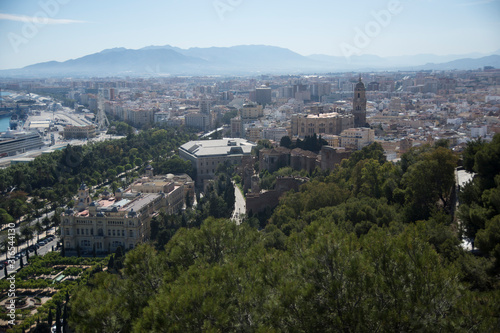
[{"x": 360, "y": 85}]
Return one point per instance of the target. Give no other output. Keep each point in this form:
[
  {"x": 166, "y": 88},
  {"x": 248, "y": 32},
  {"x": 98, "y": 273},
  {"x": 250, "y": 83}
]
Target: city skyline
[{"x": 39, "y": 31}]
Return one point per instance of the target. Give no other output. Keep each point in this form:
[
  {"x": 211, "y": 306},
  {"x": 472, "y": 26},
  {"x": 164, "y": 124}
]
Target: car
[{"x": 31, "y": 250}]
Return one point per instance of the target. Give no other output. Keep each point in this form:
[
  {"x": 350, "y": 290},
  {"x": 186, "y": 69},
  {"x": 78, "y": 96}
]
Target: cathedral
[{"x": 359, "y": 105}]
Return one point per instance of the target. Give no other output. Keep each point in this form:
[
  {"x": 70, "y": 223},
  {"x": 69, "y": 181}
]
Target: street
[
  {"x": 239, "y": 205},
  {"x": 41, "y": 251}
]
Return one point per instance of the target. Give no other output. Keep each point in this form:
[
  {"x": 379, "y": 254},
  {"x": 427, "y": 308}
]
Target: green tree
[
  {"x": 429, "y": 181},
  {"x": 286, "y": 142},
  {"x": 27, "y": 233},
  {"x": 5, "y": 218},
  {"x": 39, "y": 229},
  {"x": 469, "y": 154}
]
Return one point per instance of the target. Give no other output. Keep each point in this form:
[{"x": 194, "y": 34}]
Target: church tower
[
  {"x": 149, "y": 172},
  {"x": 83, "y": 198},
  {"x": 359, "y": 104}
]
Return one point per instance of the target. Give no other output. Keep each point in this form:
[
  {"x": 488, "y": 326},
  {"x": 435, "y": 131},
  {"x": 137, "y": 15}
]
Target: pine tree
[
  {"x": 49, "y": 318},
  {"x": 65, "y": 316},
  {"x": 111, "y": 262},
  {"x": 58, "y": 318}
]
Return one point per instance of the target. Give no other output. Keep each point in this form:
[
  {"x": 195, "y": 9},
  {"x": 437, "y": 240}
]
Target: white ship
[{"x": 18, "y": 142}]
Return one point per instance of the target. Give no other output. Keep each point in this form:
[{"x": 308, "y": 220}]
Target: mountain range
[{"x": 239, "y": 60}]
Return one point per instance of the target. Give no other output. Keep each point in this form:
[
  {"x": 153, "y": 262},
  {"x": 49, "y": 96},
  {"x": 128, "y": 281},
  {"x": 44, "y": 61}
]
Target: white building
[
  {"x": 123, "y": 219},
  {"x": 479, "y": 131},
  {"x": 206, "y": 155},
  {"x": 357, "y": 137}
]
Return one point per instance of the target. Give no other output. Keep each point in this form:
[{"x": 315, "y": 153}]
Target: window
[
  {"x": 67, "y": 231},
  {"x": 123, "y": 233},
  {"x": 92, "y": 231},
  {"x": 359, "y": 95},
  {"x": 114, "y": 233},
  {"x": 109, "y": 232},
  {"x": 77, "y": 231},
  {"x": 87, "y": 232},
  {"x": 131, "y": 233},
  {"x": 100, "y": 233},
  {"x": 85, "y": 243}
]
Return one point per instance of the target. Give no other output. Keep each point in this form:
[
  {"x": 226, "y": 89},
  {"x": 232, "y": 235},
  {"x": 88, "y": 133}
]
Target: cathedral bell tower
[{"x": 359, "y": 104}]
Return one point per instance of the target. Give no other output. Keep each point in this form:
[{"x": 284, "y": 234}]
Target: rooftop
[
  {"x": 325, "y": 115},
  {"x": 218, "y": 147}
]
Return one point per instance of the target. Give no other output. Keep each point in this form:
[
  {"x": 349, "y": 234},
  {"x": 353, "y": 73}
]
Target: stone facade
[
  {"x": 259, "y": 202},
  {"x": 123, "y": 219},
  {"x": 332, "y": 157},
  {"x": 322, "y": 124},
  {"x": 274, "y": 159}
]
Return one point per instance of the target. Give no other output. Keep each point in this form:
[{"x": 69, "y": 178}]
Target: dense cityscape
[{"x": 253, "y": 140}]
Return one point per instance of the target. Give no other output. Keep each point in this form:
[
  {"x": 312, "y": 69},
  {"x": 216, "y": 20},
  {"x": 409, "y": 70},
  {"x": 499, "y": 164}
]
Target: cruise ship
[{"x": 18, "y": 142}]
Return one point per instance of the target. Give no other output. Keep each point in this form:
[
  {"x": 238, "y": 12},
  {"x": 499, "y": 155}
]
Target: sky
[{"x": 45, "y": 30}]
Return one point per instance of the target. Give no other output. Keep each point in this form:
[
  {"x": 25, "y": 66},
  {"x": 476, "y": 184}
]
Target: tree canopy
[{"x": 359, "y": 249}]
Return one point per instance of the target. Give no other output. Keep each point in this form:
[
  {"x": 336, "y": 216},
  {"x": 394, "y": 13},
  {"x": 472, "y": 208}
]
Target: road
[
  {"x": 41, "y": 251},
  {"x": 17, "y": 229},
  {"x": 239, "y": 205}
]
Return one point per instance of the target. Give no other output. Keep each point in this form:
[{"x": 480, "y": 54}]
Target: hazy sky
[{"x": 33, "y": 31}]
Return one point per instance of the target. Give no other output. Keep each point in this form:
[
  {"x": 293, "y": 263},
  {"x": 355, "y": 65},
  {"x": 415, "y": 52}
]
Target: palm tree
[
  {"x": 27, "y": 233},
  {"x": 17, "y": 236},
  {"x": 5, "y": 246},
  {"x": 39, "y": 229},
  {"x": 46, "y": 223}
]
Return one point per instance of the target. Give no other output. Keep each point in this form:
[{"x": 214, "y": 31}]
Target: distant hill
[
  {"x": 464, "y": 64},
  {"x": 240, "y": 60}
]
